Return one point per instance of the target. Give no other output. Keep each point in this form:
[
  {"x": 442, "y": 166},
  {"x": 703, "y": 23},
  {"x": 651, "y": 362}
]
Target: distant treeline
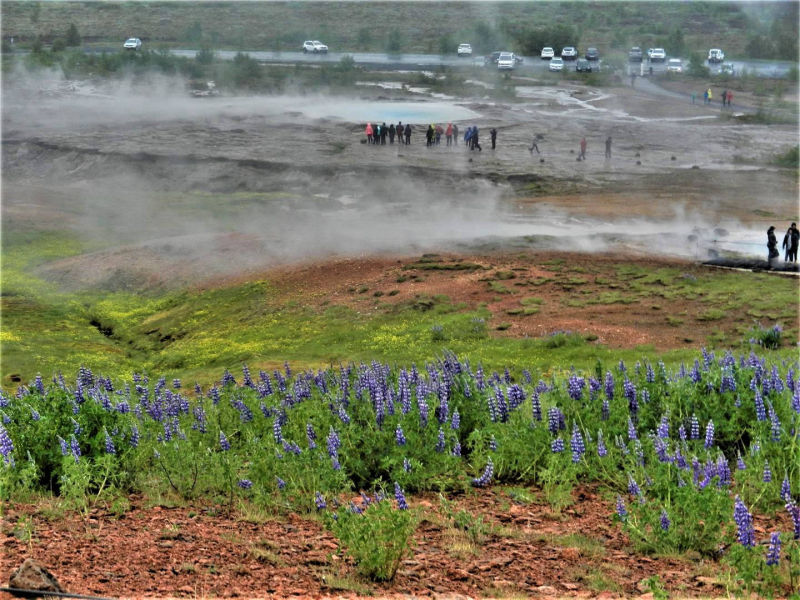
[{"x": 753, "y": 30}]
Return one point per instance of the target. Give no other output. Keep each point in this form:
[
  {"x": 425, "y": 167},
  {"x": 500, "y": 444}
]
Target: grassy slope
[
  {"x": 355, "y": 26},
  {"x": 195, "y": 335}
]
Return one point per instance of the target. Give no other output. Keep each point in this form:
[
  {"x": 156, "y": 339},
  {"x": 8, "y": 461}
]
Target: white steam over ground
[{"x": 164, "y": 187}]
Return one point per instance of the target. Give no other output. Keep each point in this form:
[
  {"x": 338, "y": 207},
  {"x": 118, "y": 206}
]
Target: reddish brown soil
[
  {"x": 565, "y": 283},
  {"x": 200, "y": 551}
]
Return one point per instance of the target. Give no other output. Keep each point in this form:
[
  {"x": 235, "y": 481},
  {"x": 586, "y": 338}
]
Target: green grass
[{"x": 195, "y": 335}]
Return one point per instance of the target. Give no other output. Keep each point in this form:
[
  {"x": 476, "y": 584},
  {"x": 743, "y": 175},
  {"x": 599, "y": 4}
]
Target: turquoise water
[{"x": 361, "y": 111}]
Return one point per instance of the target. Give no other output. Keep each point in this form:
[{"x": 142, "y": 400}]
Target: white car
[
  {"x": 548, "y": 53},
  {"x": 569, "y": 53},
  {"x": 658, "y": 55},
  {"x": 506, "y": 61},
  {"x": 715, "y": 55},
  {"x": 132, "y": 44},
  {"x": 674, "y": 65},
  {"x": 315, "y": 46},
  {"x": 464, "y": 50},
  {"x": 556, "y": 64}
]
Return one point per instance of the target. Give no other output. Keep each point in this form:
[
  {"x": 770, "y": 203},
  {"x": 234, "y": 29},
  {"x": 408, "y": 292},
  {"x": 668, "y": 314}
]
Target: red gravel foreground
[{"x": 514, "y": 548}]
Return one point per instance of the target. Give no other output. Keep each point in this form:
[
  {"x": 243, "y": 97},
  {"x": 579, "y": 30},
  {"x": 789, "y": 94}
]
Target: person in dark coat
[
  {"x": 493, "y": 136},
  {"x": 429, "y": 135},
  {"x": 772, "y": 245},
  {"x": 384, "y": 131},
  {"x": 399, "y": 131},
  {"x": 455, "y": 134},
  {"x": 391, "y": 133},
  {"x": 608, "y": 147},
  {"x": 790, "y": 243},
  {"x": 407, "y": 131},
  {"x": 534, "y": 145}
]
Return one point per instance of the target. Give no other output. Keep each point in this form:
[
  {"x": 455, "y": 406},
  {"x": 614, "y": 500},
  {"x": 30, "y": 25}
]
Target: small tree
[
  {"x": 73, "y": 38},
  {"x": 395, "y": 42},
  {"x": 697, "y": 68}
]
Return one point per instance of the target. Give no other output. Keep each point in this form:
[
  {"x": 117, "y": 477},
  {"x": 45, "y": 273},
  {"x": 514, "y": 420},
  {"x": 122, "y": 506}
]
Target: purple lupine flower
[
  {"x": 319, "y": 501},
  {"x": 755, "y": 448},
  {"x": 723, "y": 471},
  {"x": 35, "y": 415},
  {"x": 311, "y": 436},
  {"x": 594, "y": 387},
  {"x": 663, "y": 427},
  {"x": 440, "y": 441},
  {"x": 245, "y": 484},
  {"x": 632, "y": 435},
  {"x": 761, "y": 412},
  {"x": 557, "y": 445},
  {"x": 767, "y": 477},
  {"x": 740, "y": 466},
  {"x": 621, "y": 366},
  {"x": 633, "y": 487},
  {"x": 601, "y": 446},
  {"x": 794, "y": 513},
  {"x": 457, "y": 448},
  {"x": 661, "y": 449},
  {"x": 492, "y": 444},
  {"x": 64, "y": 448},
  {"x": 223, "y": 442},
  {"x": 629, "y": 390},
  {"x": 744, "y": 523},
  {"x": 333, "y": 443},
  {"x": 728, "y": 383},
  {"x": 694, "y": 432},
  {"x": 694, "y": 375},
  {"x": 400, "y": 436},
  {"x": 609, "y": 385},
  {"x": 455, "y": 423},
  {"x": 400, "y": 497},
  {"x": 604, "y": 410},
  {"x": 110, "y": 445},
  {"x": 775, "y": 424},
  {"x": 709, "y": 434},
  {"x": 575, "y": 385},
  {"x": 553, "y": 418},
  {"x": 486, "y": 476},
  {"x": 281, "y": 483},
  {"x": 406, "y": 465},
  {"x": 621, "y": 512},
  {"x": 665, "y": 522},
  {"x": 682, "y": 432},
  {"x": 576, "y": 444},
  {"x": 786, "y": 489},
  {"x": 536, "y": 406},
  {"x": 75, "y": 448},
  {"x": 774, "y": 550},
  {"x": 134, "y": 439}
]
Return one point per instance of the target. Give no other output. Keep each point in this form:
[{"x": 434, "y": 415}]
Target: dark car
[
  {"x": 592, "y": 54},
  {"x": 635, "y": 54},
  {"x": 491, "y": 59},
  {"x": 583, "y": 66}
]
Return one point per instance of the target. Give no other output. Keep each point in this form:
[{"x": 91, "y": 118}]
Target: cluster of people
[
  {"x": 708, "y": 96},
  {"x": 433, "y": 135},
  {"x": 790, "y": 243},
  {"x": 377, "y": 134}
]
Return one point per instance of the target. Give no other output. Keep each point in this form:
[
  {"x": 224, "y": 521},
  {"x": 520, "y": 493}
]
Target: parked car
[
  {"x": 635, "y": 54},
  {"x": 674, "y": 65},
  {"x": 583, "y": 66},
  {"x": 314, "y": 46},
  {"x": 547, "y": 53},
  {"x": 464, "y": 50},
  {"x": 715, "y": 55},
  {"x": 592, "y": 54},
  {"x": 657, "y": 55},
  {"x": 557, "y": 64},
  {"x": 569, "y": 53},
  {"x": 506, "y": 61},
  {"x": 132, "y": 44},
  {"x": 491, "y": 59}
]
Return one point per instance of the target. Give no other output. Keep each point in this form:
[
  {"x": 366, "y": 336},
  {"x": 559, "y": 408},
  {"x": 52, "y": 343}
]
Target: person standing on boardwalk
[
  {"x": 582, "y": 155},
  {"x": 455, "y": 134},
  {"x": 368, "y": 131},
  {"x": 790, "y": 243},
  {"x": 449, "y": 134},
  {"x": 407, "y": 131},
  {"x": 473, "y": 139},
  {"x": 608, "y": 147},
  {"x": 493, "y": 136},
  {"x": 391, "y": 133}
]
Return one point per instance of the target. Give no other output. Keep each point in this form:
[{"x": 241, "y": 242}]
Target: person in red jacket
[
  {"x": 368, "y": 131},
  {"x": 449, "y": 134}
]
